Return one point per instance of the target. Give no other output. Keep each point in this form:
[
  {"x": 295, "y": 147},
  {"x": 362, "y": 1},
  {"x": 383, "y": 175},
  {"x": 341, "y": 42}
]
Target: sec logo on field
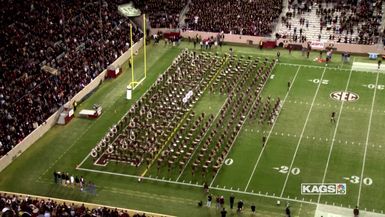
[{"x": 344, "y": 96}]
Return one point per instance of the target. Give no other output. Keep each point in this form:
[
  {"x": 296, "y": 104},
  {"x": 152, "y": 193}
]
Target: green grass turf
[{"x": 64, "y": 147}]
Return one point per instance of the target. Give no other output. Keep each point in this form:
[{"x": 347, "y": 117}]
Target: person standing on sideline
[
  {"x": 278, "y": 55},
  {"x": 379, "y": 63},
  {"x": 263, "y": 141},
  {"x": 223, "y": 212},
  {"x": 288, "y": 212},
  {"x": 217, "y": 202},
  {"x": 232, "y": 198},
  {"x": 253, "y": 208},
  {"x": 55, "y": 175},
  {"x": 222, "y": 201},
  {"x": 206, "y": 188},
  {"x": 356, "y": 212},
  {"x": 333, "y": 117},
  {"x": 290, "y": 48},
  {"x": 209, "y": 199},
  {"x": 75, "y": 104},
  {"x": 240, "y": 206}
]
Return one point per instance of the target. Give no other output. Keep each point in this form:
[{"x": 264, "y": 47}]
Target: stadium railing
[
  {"x": 247, "y": 39},
  {"x": 51, "y": 121},
  {"x": 131, "y": 212}
]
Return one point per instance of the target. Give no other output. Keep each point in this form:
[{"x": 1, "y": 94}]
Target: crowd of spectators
[
  {"x": 77, "y": 38},
  {"x": 12, "y": 205},
  {"x": 245, "y": 17},
  {"x": 162, "y": 13},
  {"x": 349, "y": 21}
]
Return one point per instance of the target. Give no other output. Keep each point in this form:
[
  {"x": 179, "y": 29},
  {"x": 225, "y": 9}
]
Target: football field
[{"x": 304, "y": 145}]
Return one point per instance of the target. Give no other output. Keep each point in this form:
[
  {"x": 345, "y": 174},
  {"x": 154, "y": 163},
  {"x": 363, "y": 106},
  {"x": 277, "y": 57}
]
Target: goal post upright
[
  {"x": 132, "y": 57},
  {"x": 145, "y": 44}
]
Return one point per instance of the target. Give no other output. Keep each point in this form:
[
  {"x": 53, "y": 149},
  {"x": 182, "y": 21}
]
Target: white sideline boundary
[
  {"x": 334, "y": 135},
  {"x": 197, "y": 185},
  {"x": 271, "y": 130},
  {"x": 367, "y": 140},
  {"x": 303, "y": 131},
  {"x": 333, "y": 68}
]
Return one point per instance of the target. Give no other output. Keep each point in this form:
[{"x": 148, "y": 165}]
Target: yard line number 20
[{"x": 285, "y": 169}]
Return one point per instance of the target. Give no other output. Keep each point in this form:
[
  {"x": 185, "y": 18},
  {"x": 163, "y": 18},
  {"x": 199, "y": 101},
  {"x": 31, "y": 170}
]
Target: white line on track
[
  {"x": 303, "y": 131},
  {"x": 367, "y": 141},
  {"x": 271, "y": 130},
  {"x": 334, "y": 135}
]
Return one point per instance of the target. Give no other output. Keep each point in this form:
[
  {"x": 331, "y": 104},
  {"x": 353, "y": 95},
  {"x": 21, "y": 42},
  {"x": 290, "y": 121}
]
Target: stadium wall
[
  {"x": 247, "y": 39},
  {"x": 51, "y": 121}
]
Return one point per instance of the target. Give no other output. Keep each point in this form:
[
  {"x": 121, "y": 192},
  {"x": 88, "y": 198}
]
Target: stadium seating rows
[
  {"x": 81, "y": 38},
  {"x": 13, "y": 205},
  {"x": 80, "y": 43},
  {"x": 255, "y": 17},
  {"x": 341, "y": 21}
]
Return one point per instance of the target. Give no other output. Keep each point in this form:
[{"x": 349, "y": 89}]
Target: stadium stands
[
  {"x": 24, "y": 205},
  {"x": 162, "y": 14},
  {"x": 340, "y": 21},
  {"x": 79, "y": 44},
  {"x": 78, "y": 40},
  {"x": 257, "y": 17}
]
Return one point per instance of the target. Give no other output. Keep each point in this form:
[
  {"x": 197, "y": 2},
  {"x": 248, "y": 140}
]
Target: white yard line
[
  {"x": 216, "y": 116},
  {"x": 271, "y": 130},
  {"x": 334, "y": 134},
  {"x": 303, "y": 131},
  {"x": 367, "y": 141}
]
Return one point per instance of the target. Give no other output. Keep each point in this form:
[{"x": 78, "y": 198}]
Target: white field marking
[
  {"x": 141, "y": 177},
  {"x": 300, "y": 208},
  {"x": 303, "y": 131},
  {"x": 334, "y": 135},
  {"x": 367, "y": 140},
  {"x": 212, "y": 123},
  {"x": 271, "y": 130},
  {"x": 332, "y": 68},
  {"x": 70, "y": 147},
  {"x": 247, "y": 115}
]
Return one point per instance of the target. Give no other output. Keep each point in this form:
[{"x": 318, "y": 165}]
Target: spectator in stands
[
  {"x": 77, "y": 47},
  {"x": 12, "y": 205},
  {"x": 255, "y": 17},
  {"x": 162, "y": 13}
]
